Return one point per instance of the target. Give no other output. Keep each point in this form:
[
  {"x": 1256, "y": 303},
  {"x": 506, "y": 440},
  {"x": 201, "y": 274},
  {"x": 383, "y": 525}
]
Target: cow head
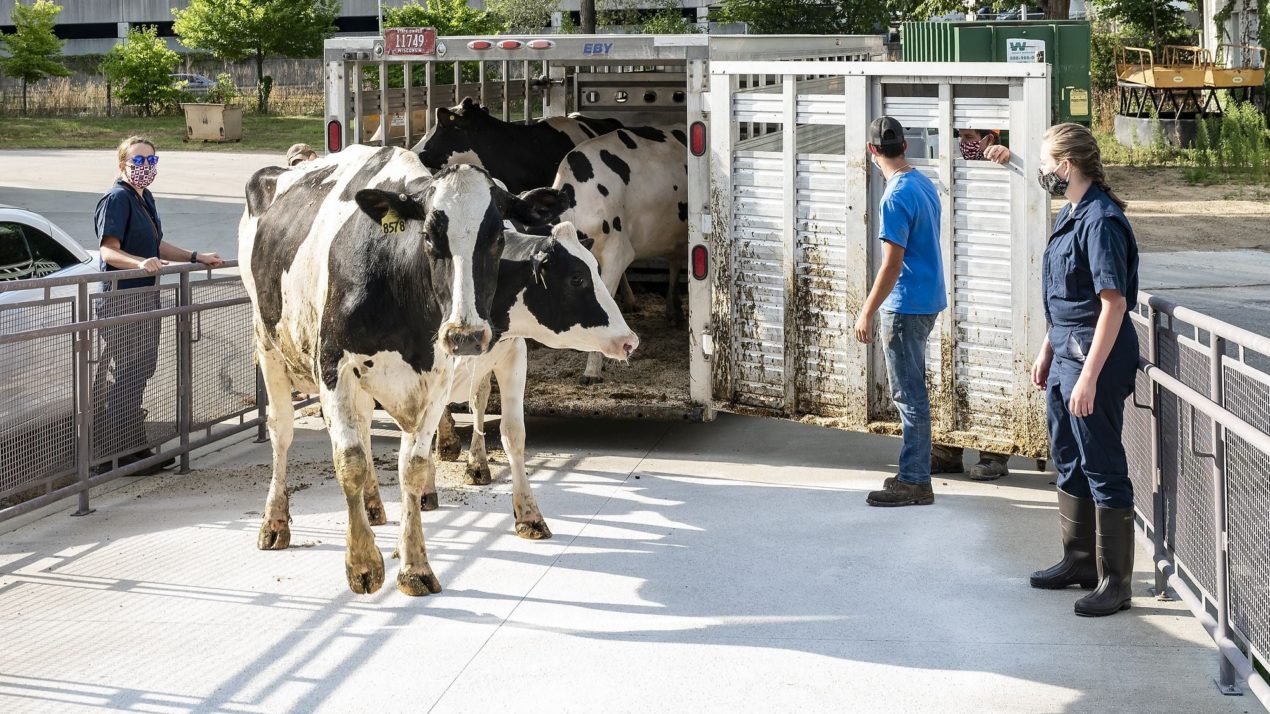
[
  {"x": 453, "y": 138},
  {"x": 561, "y": 301},
  {"x": 456, "y": 226}
]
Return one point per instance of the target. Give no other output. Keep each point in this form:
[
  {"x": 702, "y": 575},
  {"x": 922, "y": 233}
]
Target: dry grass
[
  {"x": 71, "y": 97},
  {"x": 260, "y": 133}
]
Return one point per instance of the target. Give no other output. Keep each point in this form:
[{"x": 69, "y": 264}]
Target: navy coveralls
[{"x": 1091, "y": 249}]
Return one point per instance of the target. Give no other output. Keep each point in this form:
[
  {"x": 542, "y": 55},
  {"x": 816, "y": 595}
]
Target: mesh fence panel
[
  {"x": 1137, "y": 430},
  {"x": 224, "y": 375},
  {"x": 134, "y": 374},
  {"x": 37, "y": 398},
  {"x": 1186, "y": 477},
  {"x": 1247, "y": 395}
]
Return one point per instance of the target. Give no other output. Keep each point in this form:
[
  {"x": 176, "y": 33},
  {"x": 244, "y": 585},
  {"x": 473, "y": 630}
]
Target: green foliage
[
  {"x": 1103, "y": 46},
  {"x": 527, "y": 15},
  {"x": 224, "y": 91},
  {"x": 140, "y": 71},
  {"x": 33, "y": 48},
  {"x": 774, "y": 17},
  {"x": 450, "y": 17},
  {"x": 1146, "y": 23},
  {"x": 235, "y": 30},
  {"x": 669, "y": 22}
]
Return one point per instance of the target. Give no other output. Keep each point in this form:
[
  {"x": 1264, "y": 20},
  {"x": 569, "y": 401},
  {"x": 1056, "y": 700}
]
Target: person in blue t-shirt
[
  {"x": 131, "y": 237},
  {"x": 909, "y": 290}
]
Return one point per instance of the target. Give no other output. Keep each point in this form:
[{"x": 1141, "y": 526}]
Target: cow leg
[
  {"x": 370, "y": 498},
  {"x": 614, "y": 260},
  {"x": 511, "y": 427},
  {"x": 275, "y": 530},
  {"x": 674, "y": 309},
  {"x": 448, "y": 446},
  {"x": 414, "y": 464},
  {"x": 345, "y": 410},
  {"x": 477, "y": 459},
  {"x": 628, "y": 295}
]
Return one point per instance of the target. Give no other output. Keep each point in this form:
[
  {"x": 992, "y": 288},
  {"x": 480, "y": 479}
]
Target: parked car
[
  {"x": 37, "y": 393},
  {"x": 194, "y": 83}
]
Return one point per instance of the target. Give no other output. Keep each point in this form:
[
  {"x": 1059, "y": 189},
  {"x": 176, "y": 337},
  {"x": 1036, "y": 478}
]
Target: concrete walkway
[{"x": 724, "y": 567}]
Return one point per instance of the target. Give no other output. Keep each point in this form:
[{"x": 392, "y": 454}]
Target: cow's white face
[{"x": 566, "y": 306}]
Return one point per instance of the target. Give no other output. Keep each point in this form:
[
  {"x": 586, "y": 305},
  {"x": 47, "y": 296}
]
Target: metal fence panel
[
  {"x": 224, "y": 375},
  {"x": 1247, "y": 395},
  {"x": 1137, "y": 429}
]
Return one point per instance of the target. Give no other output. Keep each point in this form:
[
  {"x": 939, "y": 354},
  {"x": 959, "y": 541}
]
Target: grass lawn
[{"x": 260, "y": 134}]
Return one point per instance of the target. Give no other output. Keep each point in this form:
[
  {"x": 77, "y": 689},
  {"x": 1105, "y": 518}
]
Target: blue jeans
[{"x": 904, "y": 344}]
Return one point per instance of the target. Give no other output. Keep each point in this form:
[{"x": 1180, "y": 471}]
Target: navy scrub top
[
  {"x": 1091, "y": 249},
  {"x": 134, "y": 221}
]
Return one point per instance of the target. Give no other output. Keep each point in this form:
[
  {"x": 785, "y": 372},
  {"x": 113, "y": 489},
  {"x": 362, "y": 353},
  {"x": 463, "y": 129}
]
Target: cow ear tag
[{"x": 392, "y": 222}]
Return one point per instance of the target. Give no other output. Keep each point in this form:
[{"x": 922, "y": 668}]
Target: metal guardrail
[
  {"x": 167, "y": 368},
  {"x": 1204, "y": 506}
]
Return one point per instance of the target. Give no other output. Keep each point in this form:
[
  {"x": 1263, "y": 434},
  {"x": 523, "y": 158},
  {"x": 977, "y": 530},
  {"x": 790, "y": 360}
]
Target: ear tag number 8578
[{"x": 392, "y": 223}]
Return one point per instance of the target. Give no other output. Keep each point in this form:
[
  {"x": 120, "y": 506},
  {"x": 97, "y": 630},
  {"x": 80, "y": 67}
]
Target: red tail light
[
  {"x": 334, "y": 136},
  {"x": 540, "y": 44},
  {"x": 700, "y": 262},
  {"x": 509, "y": 44},
  {"x": 479, "y": 45},
  {"x": 697, "y": 138}
]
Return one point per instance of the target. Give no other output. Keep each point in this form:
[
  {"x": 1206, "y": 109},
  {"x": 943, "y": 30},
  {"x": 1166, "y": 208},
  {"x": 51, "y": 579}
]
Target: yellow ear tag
[{"x": 392, "y": 223}]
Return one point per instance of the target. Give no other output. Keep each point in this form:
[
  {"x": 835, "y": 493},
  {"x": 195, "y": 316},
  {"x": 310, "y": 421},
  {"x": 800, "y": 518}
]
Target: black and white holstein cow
[
  {"x": 522, "y": 156},
  {"x": 629, "y": 192},
  {"x": 369, "y": 280}
]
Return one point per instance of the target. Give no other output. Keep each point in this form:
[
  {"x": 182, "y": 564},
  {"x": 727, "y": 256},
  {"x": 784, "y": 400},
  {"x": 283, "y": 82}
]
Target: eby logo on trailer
[{"x": 594, "y": 49}]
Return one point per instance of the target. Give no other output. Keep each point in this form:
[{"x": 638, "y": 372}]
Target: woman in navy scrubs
[{"x": 1087, "y": 368}]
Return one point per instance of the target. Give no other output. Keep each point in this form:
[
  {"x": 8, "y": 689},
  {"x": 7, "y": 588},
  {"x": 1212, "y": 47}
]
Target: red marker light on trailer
[
  {"x": 334, "y": 136},
  {"x": 700, "y": 262},
  {"x": 509, "y": 44},
  {"x": 540, "y": 44},
  {"x": 479, "y": 45},
  {"x": 697, "y": 138}
]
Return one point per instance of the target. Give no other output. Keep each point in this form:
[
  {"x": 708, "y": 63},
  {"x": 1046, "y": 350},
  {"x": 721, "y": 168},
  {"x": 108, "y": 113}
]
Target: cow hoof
[
  {"x": 429, "y": 502},
  {"x": 533, "y": 530},
  {"x": 478, "y": 474},
  {"x": 449, "y": 450},
  {"x": 376, "y": 514},
  {"x": 417, "y": 584},
  {"x": 588, "y": 380},
  {"x": 366, "y": 578},
  {"x": 274, "y": 535}
]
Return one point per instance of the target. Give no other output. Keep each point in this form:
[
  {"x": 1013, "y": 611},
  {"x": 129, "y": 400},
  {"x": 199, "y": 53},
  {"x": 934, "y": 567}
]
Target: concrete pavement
[{"x": 719, "y": 567}]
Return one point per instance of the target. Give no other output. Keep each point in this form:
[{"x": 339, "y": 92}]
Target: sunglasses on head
[{"x": 140, "y": 160}]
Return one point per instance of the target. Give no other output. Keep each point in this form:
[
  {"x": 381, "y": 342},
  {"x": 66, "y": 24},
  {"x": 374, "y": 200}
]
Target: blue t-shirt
[
  {"x": 135, "y": 222},
  {"x": 910, "y": 219}
]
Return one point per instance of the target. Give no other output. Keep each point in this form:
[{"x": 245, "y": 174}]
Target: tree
[
  {"x": 33, "y": 48},
  {"x": 235, "y": 30},
  {"x": 818, "y": 17},
  {"x": 141, "y": 69},
  {"x": 450, "y": 18},
  {"x": 1146, "y": 23},
  {"x": 526, "y": 15},
  {"x": 586, "y": 13}
]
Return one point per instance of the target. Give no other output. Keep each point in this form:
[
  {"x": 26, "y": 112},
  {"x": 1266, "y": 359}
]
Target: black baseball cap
[{"x": 886, "y": 131}]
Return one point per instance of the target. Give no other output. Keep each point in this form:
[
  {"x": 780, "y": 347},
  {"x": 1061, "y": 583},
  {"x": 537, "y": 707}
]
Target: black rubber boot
[
  {"x": 1115, "y": 565},
  {"x": 1078, "y": 567}
]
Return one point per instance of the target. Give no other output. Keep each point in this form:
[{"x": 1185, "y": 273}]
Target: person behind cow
[
  {"x": 300, "y": 153},
  {"x": 909, "y": 290},
  {"x": 976, "y": 145},
  {"x": 1087, "y": 367},
  {"x": 131, "y": 238}
]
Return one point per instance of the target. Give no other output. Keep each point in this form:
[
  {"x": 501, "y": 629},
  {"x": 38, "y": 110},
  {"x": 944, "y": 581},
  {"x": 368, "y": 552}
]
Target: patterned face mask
[
  {"x": 142, "y": 176},
  {"x": 1053, "y": 184},
  {"x": 972, "y": 151}
]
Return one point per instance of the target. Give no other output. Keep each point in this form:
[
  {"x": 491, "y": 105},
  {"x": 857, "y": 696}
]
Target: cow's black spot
[
  {"x": 362, "y": 179},
  {"x": 357, "y": 373},
  {"x": 282, "y": 229},
  {"x": 369, "y": 364},
  {"x": 261, "y": 187},
  {"x": 601, "y": 126},
  {"x": 683, "y": 211},
  {"x": 617, "y": 223},
  {"x": 604, "y": 190},
  {"x": 626, "y": 139},
  {"x": 650, "y": 133},
  {"x": 580, "y": 165},
  {"x": 604, "y": 226},
  {"x": 680, "y": 137},
  {"x": 675, "y": 188},
  {"x": 567, "y": 190},
  {"x": 587, "y": 130},
  {"x": 616, "y": 165}
]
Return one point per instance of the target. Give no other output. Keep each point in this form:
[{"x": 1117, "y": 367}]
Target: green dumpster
[{"x": 1063, "y": 44}]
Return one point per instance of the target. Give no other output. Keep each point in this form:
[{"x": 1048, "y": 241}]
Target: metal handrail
[
  {"x": 109, "y": 276},
  {"x": 1233, "y": 333}
]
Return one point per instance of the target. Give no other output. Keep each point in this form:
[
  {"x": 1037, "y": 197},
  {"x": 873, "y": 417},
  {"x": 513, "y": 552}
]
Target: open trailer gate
[
  {"x": 781, "y": 213},
  {"x": 791, "y": 222}
]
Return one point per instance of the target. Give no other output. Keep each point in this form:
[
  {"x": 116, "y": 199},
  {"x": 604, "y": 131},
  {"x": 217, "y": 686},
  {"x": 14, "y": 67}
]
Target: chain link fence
[
  {"x": 1198, "y": 440},
  {"x": 99, "y": 381}
]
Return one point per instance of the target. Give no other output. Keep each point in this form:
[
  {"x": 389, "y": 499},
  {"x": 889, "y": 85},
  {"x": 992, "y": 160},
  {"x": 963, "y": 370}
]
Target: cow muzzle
[
  {"x": 465, "y": 341},
  {"x": 622, "y": 347}
]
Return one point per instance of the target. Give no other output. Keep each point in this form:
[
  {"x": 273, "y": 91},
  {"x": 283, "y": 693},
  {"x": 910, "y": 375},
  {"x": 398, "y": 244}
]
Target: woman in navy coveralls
[{"x": 1087, "y": 368}]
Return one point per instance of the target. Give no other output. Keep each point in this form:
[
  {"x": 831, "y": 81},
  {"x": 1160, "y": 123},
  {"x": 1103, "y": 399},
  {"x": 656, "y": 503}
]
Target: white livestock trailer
[{"x": 782, "y": 219}]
